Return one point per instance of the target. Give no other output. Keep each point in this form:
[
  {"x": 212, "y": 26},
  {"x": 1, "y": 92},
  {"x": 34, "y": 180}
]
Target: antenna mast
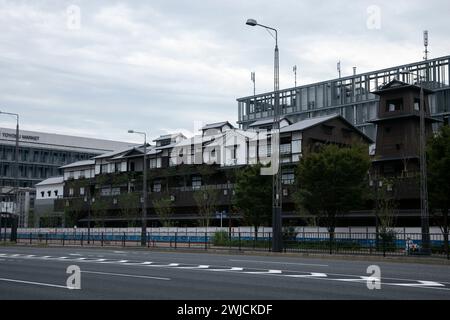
[
  {"x": 294, "y": 69},
  {"x": 253, "y": 78},
  {"x": 425, "y": 43}
]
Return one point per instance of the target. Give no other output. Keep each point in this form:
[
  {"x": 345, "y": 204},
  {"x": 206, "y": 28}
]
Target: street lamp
[
  {"x": 144, "y": 191},
  {"x": 16, "y": 171},
  {"x": 276, "y": 182}
]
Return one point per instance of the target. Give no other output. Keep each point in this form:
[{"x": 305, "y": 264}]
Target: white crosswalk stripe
[
  {"x": 312, "y": 275},
  {"x": 250, "y": 271},
  {"x": 264, "y": 272}
]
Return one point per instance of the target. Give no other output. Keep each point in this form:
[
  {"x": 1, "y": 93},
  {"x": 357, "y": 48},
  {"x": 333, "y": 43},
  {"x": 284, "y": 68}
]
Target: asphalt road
[{"x": 40, "y": 273}]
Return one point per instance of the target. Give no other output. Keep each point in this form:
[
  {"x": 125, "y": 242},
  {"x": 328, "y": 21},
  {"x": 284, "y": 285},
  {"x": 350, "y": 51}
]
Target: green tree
[
  {"x": 163, "y": 209},
  {"x": 73, "y": 212},
  {"x": 332, "y": 181},
  {"x": 385, "y": 203},
  {"x": 129, "y": 203},
  {"x": 100, "y": 210},
  {"x": 253, "y": 196},
  {"x": 438, "y": 152},
  {"x": 206, "y": 199}
]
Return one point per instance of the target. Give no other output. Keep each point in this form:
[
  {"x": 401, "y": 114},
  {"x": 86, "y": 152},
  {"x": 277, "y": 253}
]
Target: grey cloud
[{"x": 161, "y": 65}]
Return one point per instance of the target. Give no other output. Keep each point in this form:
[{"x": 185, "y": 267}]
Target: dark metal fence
[{"x": 389, "y": 244}]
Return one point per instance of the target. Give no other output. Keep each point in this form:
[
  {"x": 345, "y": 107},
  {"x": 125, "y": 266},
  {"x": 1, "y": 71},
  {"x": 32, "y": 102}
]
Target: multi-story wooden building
[{"x": 181, "y": 168}]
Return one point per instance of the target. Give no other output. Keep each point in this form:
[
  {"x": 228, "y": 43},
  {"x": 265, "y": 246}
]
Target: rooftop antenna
[
  {"x": 253, "y": 77},
  {"x": 294, "y": 69},
  {"x": 354, "y": 71},
  {"x": 425, "y": 43},
  {"x": 339, "y": 68}
]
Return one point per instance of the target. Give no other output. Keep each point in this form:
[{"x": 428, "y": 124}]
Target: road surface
[{"x": 40, "y": 273}]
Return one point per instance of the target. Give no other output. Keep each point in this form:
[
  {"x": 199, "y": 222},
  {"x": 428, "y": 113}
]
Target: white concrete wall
[{"x": 50, "y": 187}]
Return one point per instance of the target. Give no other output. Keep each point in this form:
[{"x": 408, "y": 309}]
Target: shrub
[{"x": 221, "y": 238}]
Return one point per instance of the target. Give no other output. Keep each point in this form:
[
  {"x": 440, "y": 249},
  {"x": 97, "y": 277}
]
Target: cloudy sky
[{"x": 162, "y": 65}]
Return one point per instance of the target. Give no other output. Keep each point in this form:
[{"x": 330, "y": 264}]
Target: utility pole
[
  {"x": 425, "y": 216},
  {"x": 144, "y": 191},
  {"x": 16, "y": 162}
]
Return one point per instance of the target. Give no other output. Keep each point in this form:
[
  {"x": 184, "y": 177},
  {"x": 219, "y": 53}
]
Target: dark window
[
  {"x": 416, "y": 104},
  {"x": 42, "y": 194},
  {"x": 196, "y": 182},
  {"x": 394, "y": 105},
  {"x": 157, "y": 186},
  {"x": 49, "y": 193}
]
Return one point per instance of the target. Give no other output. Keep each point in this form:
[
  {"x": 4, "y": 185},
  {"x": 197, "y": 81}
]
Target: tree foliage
[
  {"x": 129, "y": 207},
  {"x": 206, "y": 199},
  {"x": 253, "y": 196},
  {"x": 100, "y": 210},
  {"x": 163, "y": 209},
  {"x": 332, "y": 181},
  {"x": 438, "y": 152}
]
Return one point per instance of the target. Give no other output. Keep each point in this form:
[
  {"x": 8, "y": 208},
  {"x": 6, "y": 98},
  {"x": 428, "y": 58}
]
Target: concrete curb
[{"x": 360, "y": 258}]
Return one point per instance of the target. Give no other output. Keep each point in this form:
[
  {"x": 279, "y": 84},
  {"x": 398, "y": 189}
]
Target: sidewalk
[{"x": 441, "y": 260}]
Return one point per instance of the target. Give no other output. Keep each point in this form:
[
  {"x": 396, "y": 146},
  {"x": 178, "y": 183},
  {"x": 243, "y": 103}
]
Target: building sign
[{"x": 21, "y": 136}]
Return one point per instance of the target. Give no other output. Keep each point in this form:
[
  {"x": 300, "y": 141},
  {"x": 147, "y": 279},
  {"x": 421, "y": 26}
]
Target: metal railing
[{"x": 364, "y": 243}]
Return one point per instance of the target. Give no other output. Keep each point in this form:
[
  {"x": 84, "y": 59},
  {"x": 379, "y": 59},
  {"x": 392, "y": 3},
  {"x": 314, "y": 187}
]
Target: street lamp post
[
  {"x": 144, "y": 191},
  {"x": 277, "y": 243},
  {"x": 88, "y": 200},
  {"x": 16, "y": 169}
]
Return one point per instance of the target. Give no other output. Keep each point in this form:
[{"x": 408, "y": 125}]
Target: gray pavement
[{"x": 40, "y": 273}]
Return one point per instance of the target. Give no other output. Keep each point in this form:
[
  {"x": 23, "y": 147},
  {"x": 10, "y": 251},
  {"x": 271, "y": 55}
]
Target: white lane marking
[
  {"x": 230, "y": 269},
  {"x": 81, "y": 258},
  {"x": 62, "y": 258},
  {"x": 197, "y": 267},
  {"x": 34, "y": 283},
  {"x": 15, "y": 255},
  {"x": 125, "y": 275},
  {"x": 74, "y": 254},
  {"x": 420, "y": 284},
  {"x": 360, "y": 279},
  {"x": 277, "y": 262},
  {"x": 121, "y": 252},
  {"x": 146, "y": 263},
  {"x": 171, "y": 265},
  {"x": 2, "y": 254},
  {"x": 312, "y": 275},
  {"x": 265, "y": 272}
]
